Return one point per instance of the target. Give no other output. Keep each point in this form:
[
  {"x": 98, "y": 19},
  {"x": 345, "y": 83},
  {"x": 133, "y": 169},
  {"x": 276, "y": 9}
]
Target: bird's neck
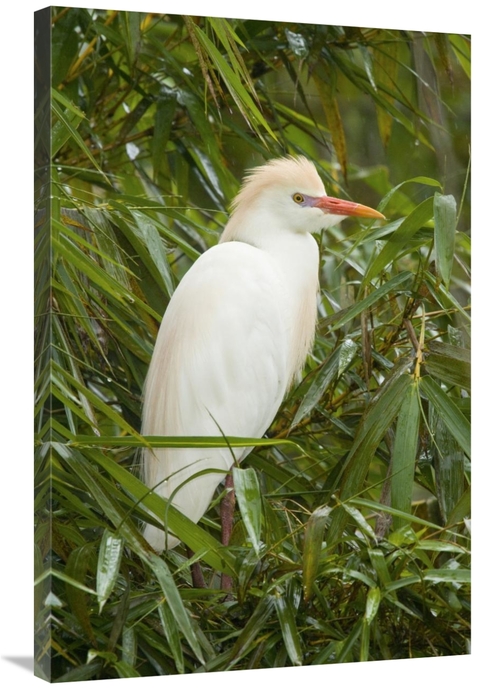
[{"x": 297, "y": 260}]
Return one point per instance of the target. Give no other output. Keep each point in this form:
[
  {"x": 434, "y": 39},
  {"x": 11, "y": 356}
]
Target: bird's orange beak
[{"x": 329, "y": 204}]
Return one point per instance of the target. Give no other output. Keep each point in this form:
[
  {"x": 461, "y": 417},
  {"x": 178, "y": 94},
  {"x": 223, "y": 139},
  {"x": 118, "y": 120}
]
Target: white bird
[{"x": 237, "y": 331}]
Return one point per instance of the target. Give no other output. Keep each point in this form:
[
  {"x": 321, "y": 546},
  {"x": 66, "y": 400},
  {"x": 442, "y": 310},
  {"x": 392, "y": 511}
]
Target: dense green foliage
[{"x": 360, "y": 549}]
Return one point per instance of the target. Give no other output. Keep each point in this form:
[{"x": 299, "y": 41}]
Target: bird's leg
[
  {"x": 196, "y": 573},
  {"x": 226, "y": 517}
]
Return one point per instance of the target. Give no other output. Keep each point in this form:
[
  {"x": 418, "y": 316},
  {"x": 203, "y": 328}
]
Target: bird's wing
[{"x": 220, "y": 364}]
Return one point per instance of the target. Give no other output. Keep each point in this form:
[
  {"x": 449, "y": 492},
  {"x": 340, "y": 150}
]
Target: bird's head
[{"x": 288, "y": 194}]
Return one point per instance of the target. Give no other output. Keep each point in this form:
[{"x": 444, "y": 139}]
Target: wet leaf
[
  {"x": 297, "y": 44},
  {"x": 449, "y": 461},
  {"x": 332, "y": 368},
  {"x": 372, "y": 604},
  {"x": 108, "y": 566},
  {"x": 237, "y": 89},
  {"x": 458, "y": 576},
  {"x": 313, "y": 542},
  {"x": 400, "y": 238},
  {"x": 372, "y": 427},
  {"x": 287, "y": 616},
  {"x": 192, "y": 534},
  {"x": 247, "y": 489},
  {"x": 404, "y": 453},
  {"x": 448, "y": 411},
  {"x": 252, "y": 629},
  {"x": 445, "y": 221},
  {"x": 450, "y": 364},
  {"x": 394, "y": 284},
  {"x": 171, "y": 632},
  {"x": 152, "y": 249},
  {"x": 125, "y": 670},
  {"x": 76, "y": 569}
]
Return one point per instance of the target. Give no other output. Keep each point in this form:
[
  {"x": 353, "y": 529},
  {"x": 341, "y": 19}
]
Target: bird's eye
[{"x": 298, "y": 198}]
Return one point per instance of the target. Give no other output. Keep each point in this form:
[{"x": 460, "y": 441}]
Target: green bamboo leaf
[
  {"x": 77, "y": 566},
  {"x": 362, "y": 523},
  {"x": 373, "y": 599},
  {"x": 400, "y": 238},
  {"x": 172, "y": 635},
  {"x": 298, "y": 117},
  {"x": 461, "y": 48},
  {"x": 428, "y": 181},
  {"x": 66, "y": 578},
  {"x": 107, "y": 244},
  {"x": 358, "y": 77},
  {"x": 444, "y": 297},
  {"x": 368, "y": 65},
  {"x": 332, "y": 368},
  {"x": 130, "y": 23},
  {"x": 114, "y": 266},
  {"x": 90, "y": 670},
  {"x": 114, "y": 36},
  {"x": 179, "y": 441},
  {"x": 376, "y": 506},
  {"x": 286, "y": 616},
  {"x": 448, "y": 411},
  {"x": 174, "y": 601},
  {"x": 108, "y": 566},
  {"x": 450, "y": 364},
  {"x": 326, "y": 89},
  {"x": 247, "y": 490},
  {"x": 67, "y": 122},
  {"x": 376, "y": 420},
  {"x": 95, "y": 484},
  {"x": 449, "y": 462},
  {"x": 440, "y": 546},
  {"x": 313, "y": 542},
  {"x": 129, "y": 645},
  {"x": 287, "y": 475},
  {"x": 455, "y": 576},
  {"x": 348, "y": 644},
  {"x": 252, "y": 629},
  {"x": 71, "y": 132},
  {"x": 107, "y": 656},
  {"x": 192, "y": 534},
  {"x": 229, "y": 38},
  {"x": 372, "y": 604},
  {"x": 364, "y": 646},
  {"x": 462, "y": 509},
  {"x": 166, "y": 106},
  {"x": 394, "y": 284},
  {"x": 59, "y": 338},
  {"x": 237, "y": 90},
  {"x": 445, "y": 221},
  {"x": 297, "y": 44},
  {"x": 102, "y": 491},
  {"x": 125, "y": 670},
  {"x": 120, "y": 212},
  {"x": 155, "y": 251},
  {"x": 113, "y": 289},
  {"x": 404, "y": 453},
  {"x": 39, "y": 592},
  {"x": 61, "y": 377},
  {"x": 377, "y": 558}
]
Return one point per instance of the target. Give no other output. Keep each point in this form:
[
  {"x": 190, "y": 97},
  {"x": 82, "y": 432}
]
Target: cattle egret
[{"x": 237, "y": 331}]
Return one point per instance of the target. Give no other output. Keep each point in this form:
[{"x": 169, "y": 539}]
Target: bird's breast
[{"x": 297, "y": 261}]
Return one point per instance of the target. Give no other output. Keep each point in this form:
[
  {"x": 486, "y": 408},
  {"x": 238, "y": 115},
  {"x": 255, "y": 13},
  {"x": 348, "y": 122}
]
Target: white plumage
[{"x": 237, "y": 331}]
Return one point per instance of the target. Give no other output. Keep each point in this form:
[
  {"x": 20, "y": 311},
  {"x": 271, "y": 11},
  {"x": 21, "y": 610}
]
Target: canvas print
[{"x": 252, "y": 300}]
